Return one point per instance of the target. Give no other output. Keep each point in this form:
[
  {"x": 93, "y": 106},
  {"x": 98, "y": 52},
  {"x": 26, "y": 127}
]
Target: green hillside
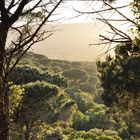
[
  {"x": 82, "y": 74},
  {"x": 61, "y": 100}
]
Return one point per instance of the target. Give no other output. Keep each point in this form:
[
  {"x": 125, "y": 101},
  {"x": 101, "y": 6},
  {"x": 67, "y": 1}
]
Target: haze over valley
[{"x": 71, "y": 42}]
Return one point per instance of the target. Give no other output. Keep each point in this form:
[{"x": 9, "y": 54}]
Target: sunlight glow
[{"x": 67, "y": 12}]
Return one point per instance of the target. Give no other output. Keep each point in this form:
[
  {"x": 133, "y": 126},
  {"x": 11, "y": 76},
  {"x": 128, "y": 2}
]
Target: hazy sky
[
  {"x": 72, "y": 42},
  {"x": 66, "y": 14},
  {"x": 75, "y": 35}
]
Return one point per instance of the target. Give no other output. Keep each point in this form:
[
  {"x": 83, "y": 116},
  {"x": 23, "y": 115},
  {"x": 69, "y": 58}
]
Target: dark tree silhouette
[{"x": 24, "y": 20}]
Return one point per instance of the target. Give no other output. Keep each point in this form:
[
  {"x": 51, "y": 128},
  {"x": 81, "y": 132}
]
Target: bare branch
[
  {"x": 115, "y": 9},
  {"x": 99, "y": 11},
  {"x": 31, "y": 37},
  {"x": 33, "y": 8},
  {"x": 18, "y": 11},
  {"x": 11, "y": 5}
]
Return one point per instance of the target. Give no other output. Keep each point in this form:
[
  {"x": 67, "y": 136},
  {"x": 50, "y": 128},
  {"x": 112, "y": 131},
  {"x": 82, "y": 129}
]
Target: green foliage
[
  {"x": 120, "y": 79},
  {"x": 80, "y": 121},
  {"x": 50, "y": 112},
  {"x": 59, "y": 81},
  {"x": 87, "y": 87},
  {"x": 98, "y": 118},
  {"x": 94, "y": 117},
  {"x": 40, "y": 15},
  {"x": 33, "y": 101},
  {"x": 26, "y": 74},
  {"x": 44, "y": 96},
  {"x": 16, "y": 93},
  {"x": 76, "y": 75},
  {"x": 86, "y": 71},
  {"x": 83, "y": 100},
  {"x": 43, "y": 103},
  {"x": 120, "y": 75},
  {"x": 15, "y": 97},
  {"x": 94, "y": 134}
]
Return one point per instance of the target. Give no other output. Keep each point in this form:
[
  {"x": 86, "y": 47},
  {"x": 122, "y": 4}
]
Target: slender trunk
[
  {"x": 4, "y": 116},
  {"x": 4, "y": 101},
  {"x": 29, "y": 127},
  {"x": 27, "y": 133}
]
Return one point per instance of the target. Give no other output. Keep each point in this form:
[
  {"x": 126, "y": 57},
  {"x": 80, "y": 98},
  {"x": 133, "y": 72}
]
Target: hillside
[
  {"x": 55, "y": 100},
  {"x": 83, "y": 74}
]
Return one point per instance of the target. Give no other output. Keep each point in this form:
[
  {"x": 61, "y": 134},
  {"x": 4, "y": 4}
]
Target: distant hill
[{"x": 82, "y": 74}]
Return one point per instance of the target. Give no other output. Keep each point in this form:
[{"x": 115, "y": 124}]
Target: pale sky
[
  {"x": 72, "y": 42},
  {"x": 75, "y": 35},
  {"x": 67, "y": 14}
]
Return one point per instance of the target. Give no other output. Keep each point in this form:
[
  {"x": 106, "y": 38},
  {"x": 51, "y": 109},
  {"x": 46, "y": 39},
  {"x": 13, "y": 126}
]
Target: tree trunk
[
  {"x": 4, "y": 99},
  {"x": 27, "y": 133}
]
